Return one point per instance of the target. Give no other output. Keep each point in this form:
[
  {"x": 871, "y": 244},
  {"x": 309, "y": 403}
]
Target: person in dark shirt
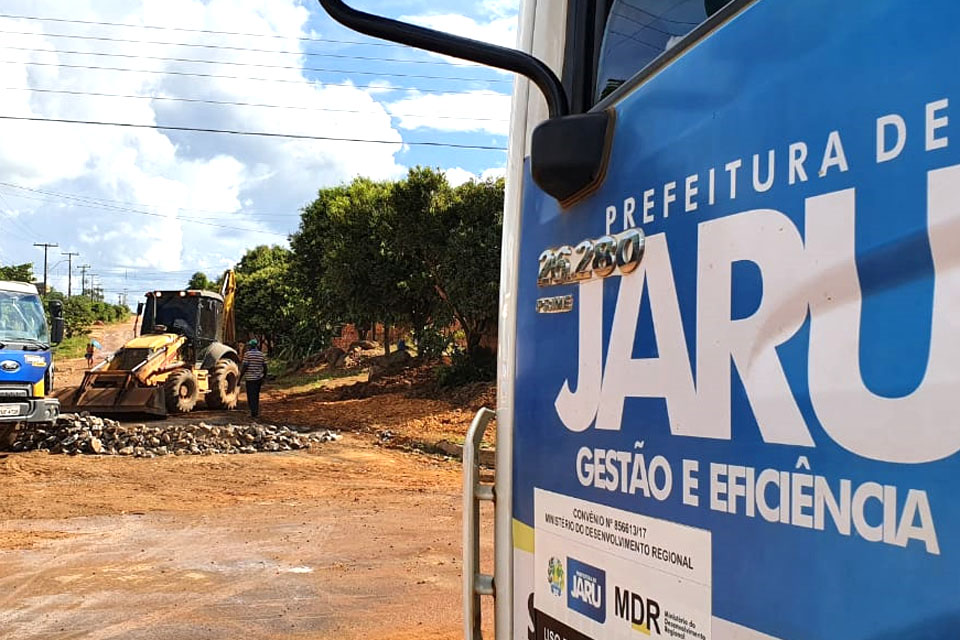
[{"x": 253, "y": 371}]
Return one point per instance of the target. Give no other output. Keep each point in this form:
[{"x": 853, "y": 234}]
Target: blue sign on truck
[{"x": 773, "y": 387}]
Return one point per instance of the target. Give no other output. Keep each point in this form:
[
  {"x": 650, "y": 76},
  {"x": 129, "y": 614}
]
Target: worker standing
[
  {"x": 90, "y": 350},
  {"x": 253, "y": 371}
]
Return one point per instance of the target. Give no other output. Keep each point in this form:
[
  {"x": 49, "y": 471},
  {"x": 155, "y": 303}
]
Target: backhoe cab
[{"x": 178, "y": 358}]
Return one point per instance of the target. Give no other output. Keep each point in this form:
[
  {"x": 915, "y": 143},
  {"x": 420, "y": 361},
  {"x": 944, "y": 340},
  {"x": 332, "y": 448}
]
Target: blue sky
[{"x": 147, "y": 207}]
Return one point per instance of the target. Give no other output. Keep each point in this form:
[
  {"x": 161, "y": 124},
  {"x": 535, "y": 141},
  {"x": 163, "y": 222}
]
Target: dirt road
[
  {"x": 348, "y": 540},
  {"x": 111, "y": 337}
]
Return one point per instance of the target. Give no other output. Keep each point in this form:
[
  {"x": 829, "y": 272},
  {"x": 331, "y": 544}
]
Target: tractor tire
[
  {"x": 180, "y": 392},
  {"x": 224, "y": 385}
]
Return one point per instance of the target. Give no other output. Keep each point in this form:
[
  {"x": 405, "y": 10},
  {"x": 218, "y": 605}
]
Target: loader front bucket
[{"x": 104, "y": 392}]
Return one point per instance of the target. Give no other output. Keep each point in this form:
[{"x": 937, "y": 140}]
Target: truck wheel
[
  {"x": 224, "y": 385},
  {"x": 8, "y": 435},
  {"x": 180, "y": 391}
]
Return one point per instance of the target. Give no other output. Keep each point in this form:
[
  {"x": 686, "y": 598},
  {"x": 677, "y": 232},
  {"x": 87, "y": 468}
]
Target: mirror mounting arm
[{"x": 457, "y": 47}]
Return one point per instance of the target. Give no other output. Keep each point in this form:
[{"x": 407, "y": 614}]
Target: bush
[
  {"x": 432, "y": 343},
  {"x": 464, "y": 368},
  {"x": 79, "y": 312},
  {"x": 78, "y": 315}
]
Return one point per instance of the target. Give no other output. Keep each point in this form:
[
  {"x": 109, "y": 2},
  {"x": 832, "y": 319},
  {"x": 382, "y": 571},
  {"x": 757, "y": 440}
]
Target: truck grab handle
[{"x": 475, "y": 584}]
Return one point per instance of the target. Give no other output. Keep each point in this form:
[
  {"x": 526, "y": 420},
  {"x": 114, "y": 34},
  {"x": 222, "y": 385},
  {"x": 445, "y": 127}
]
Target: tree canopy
[
  {"x": 199, "y": 280},
  {"x": 17, "y": 272},
  {"x": 415, "y": 252}
]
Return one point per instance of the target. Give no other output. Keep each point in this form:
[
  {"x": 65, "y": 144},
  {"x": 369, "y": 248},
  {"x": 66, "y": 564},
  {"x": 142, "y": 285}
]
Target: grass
[
  {"x": 309, "y": 381},
  {"x": 74, "y": 347}
]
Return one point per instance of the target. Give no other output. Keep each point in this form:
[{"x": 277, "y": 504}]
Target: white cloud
[
  {"x": 458, "y": 175},
  {"x": 493, "y": 173},
  {"x": 501, "y": 8},
  {"x": 229, "y": 180},
  {"x": 501, "y": 30},
  {"x": 499, "y": 25},
  {"x": 483, "y": 110}
]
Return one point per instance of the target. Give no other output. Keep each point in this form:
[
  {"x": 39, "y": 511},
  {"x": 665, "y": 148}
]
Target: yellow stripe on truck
[{"x": 522, "y": 536}]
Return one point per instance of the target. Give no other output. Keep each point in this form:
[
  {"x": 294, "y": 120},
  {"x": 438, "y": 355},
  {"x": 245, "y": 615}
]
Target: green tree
[
  {"x": 199, "y": 280},
  {"x": 455, "y": 238},
  {"x": 78, "y": 315},
  {"x": 17, "y": 272},
  {"x": 415, "y": 252},
  {"x": 270, "y": 307},
  {"x": 468, "y": 268},
  {"x": 346, "y": 257}
]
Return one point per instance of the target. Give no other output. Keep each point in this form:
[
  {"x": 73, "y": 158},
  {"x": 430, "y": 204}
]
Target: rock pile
[{"x": 86, "y": 434}]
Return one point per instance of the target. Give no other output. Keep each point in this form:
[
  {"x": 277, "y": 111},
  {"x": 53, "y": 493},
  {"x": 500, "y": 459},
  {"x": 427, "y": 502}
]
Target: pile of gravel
[{"x": 87, "y": 434}]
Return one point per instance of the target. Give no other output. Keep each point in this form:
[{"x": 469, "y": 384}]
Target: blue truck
[
  {"x": 730, "y": 306},
  {"x": 26, "y": 361}
]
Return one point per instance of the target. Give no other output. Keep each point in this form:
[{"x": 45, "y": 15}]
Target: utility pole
[
  {"x": 70, "y": 255},
  {"x": 83, "y": 278},
  {"x": 46, "y": 246}
]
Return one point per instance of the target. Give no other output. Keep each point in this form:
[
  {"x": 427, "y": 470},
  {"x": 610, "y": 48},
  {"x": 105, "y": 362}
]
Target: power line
[
  {"x": 83, "y": 278},
  {"x": 16, "y": 232},
  {"x": 222, "y": 47},
  {"x": 662, "y": 18},
  {"x": 80, "y": 203},
  {"x": 247, "y": 104},
  {"x": 70, "y": 255},
  {"x": 256, "y": 65},
  {"x": 46, "y": 247},
  {"x": 646, "y": 25},
  {"x": 21, "y": 226},
  {"x": 121, "y": 205},
  {"x": 206, "y": 31},
  {"x": 90, "y": 203},
  {"x": 145, "y": 273},
  {"x": 636, "y": 38},
  {"x": 264, "y": 134},
  {"x": 391, "y": 87}
]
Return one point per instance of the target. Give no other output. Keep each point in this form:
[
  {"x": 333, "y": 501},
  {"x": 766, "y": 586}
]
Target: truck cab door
[{"x": 735, "y": 362}]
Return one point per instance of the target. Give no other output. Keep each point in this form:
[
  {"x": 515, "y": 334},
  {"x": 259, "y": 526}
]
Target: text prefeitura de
[{"x": 797, "y": 163}]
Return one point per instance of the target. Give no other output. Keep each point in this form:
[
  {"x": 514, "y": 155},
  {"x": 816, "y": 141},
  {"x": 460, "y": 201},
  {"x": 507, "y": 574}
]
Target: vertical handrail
[{"x": 475, "y": 584}]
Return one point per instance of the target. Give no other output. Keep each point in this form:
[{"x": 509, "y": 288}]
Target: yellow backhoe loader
[{"x": 181, "y": 356}]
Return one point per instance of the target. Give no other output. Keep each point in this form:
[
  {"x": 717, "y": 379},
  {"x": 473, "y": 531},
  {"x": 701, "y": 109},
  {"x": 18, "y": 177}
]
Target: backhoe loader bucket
[{"x": 111, "y": 392}]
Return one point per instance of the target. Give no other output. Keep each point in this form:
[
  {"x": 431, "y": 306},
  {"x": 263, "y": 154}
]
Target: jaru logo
[
  {"x": 815, "y": 274},
  {"x": 586, "y": 587}
]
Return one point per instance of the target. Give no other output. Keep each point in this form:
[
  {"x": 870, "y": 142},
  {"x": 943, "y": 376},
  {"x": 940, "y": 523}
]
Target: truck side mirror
[
  {"x": 56, "y": 321},
  {"x": 569, "y": 154},
  {"x": 139, "y": 309},
  {"x": 56, "y": 331}
]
